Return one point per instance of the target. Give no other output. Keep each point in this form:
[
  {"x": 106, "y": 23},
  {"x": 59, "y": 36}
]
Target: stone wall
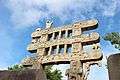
[
  {"x": 31, "y": 74},
  {"x": 114, "y": 67}
]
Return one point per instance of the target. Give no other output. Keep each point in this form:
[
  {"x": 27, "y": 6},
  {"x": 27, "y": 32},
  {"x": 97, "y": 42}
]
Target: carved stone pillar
[
  {"x": 75, "y": 71},
  {"x": 66, "y": 33},
  {"x": 59, "y": 35},
  {"x": 49, "y": 53},
  {"x": 40, "y": 51},
  {"x": 53, "y": 36},
  {"x": 57, "y": 49},
  {"x": 76, "y": 47},
  {"x": 65, "y": 48},
  {"x": 77, "y": 31}
]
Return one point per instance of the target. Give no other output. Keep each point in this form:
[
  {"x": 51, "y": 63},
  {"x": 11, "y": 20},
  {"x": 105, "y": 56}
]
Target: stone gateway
[{"x": 64, "y": 45}]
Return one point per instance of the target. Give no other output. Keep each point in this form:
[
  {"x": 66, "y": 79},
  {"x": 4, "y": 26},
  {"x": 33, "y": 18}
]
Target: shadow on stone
[
  {"x": 114, "y": 67},
  {"x": 29, "y": 74}
]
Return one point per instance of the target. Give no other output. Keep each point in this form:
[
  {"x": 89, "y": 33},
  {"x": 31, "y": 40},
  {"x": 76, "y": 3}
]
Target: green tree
[
  {"x": 114, "y": 38},
  {"x": 51, "y": 74},
  {"x": 16, "y": 68}
]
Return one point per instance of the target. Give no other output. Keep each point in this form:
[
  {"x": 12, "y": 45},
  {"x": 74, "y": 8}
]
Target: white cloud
[
  {"x": 3, "y": 68},
  {"x": 110, "y": 7},
  {"x": 29, "y": 17},
  {"x": 27, "y": 13}
]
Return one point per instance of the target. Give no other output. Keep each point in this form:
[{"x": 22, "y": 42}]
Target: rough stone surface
[
  {"x": 44, "y": 43},
  {"x": 114, "y": 66},
  {"x": 32, "y": 74}
]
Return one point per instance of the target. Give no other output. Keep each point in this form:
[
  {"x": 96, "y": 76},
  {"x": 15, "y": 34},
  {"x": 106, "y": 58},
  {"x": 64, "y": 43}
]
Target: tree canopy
[
  {"x": 53, "y": 75},
  {"x": 16, "y": 68},
  {"x": 114, "y": 38}
]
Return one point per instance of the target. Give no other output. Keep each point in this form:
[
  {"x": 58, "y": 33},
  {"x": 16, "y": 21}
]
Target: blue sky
[{"x": 19, "y": 18}]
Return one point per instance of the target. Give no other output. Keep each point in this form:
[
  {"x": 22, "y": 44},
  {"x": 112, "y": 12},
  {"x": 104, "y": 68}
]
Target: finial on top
[{"x": 49, "y": 24}]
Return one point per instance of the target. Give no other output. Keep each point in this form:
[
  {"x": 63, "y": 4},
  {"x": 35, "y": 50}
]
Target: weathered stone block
[
  {"x": 29, "y": 74},
  {"x": 114, "y": 67}
]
